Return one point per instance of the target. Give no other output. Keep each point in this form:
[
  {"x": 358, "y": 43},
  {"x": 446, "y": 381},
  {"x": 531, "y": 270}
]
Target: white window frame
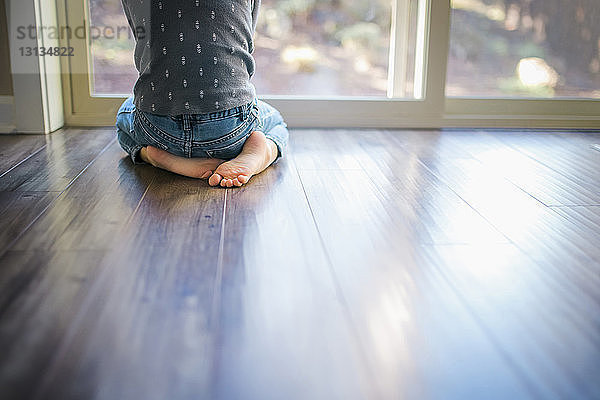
[
  {"x": 36, "y": 105},
  {"x": 433, "y": 110}
]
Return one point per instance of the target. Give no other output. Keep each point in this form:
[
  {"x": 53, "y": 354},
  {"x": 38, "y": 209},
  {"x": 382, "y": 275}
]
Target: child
[{"x": 194, "y": 106}]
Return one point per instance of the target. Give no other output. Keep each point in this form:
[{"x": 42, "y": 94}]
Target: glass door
[
  {"x": 380, "y": 63},
  {"x": 524, "y": 61},
  {"x": 334, "y": 59},
  {"x": 516, "y": 48}
]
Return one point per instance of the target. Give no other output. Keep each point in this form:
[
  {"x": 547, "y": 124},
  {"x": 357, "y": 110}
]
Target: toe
[
  {"x": 215, "y": 179},
  {"x": 237, "y": 183},
  {"x": 243, "y": 179}
]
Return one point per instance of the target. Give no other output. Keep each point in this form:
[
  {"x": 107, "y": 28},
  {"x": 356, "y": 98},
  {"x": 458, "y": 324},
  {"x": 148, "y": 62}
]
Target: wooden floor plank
[
  {"x": 53, "y": 285},
  {"x": 308, "y": 143},
  {"x": 585, "y": 226},
  {"x": 545, "y": 237},
  {"x": 429, "y": 144},
  {"x": 276, "y": 289},
  {"x": 369, "y": 264},
  {"x": 555, "y": 169},
  {"x": 46, "y": 173},
  {"x": 43, "y": 287},
  {"x": 562, "y": 151},
  {"x": 65, "y": 156},
  {"x": 547, "y": 333},
  {"x": 98, "y": 203},
  {"x": 410, "y": 322},
  {"x": 45, "y": 263},
  {"x": 145, "y": 328},
  {"x": 17, "y": 211},
  {"x": 14, "y": 149},
  {"x": 413, "y": 196},
  {"x": 84, "y": 217},
  {"x": 587, "y": 218}
]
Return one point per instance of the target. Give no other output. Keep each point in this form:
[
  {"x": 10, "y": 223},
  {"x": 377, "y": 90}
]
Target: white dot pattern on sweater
[{"x": 214, "y": 41}]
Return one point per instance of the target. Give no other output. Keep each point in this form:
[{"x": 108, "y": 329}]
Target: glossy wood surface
[{"x": 368, "y": 264}]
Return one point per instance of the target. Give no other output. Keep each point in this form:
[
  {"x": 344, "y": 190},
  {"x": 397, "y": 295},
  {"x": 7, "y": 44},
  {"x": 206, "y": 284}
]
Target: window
[
  {"x": 303, "y": 48},
  {"x": 524, "y": 48},
  {"x": 323, "y": 48},
  {"x": 111, "y": 49},
  {"x": 380, "y": 63}
]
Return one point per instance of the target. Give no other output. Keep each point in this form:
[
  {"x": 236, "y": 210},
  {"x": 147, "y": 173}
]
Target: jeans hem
[
  {"x": 136, "y": 157},
  {"x": 280, "y": 146}
]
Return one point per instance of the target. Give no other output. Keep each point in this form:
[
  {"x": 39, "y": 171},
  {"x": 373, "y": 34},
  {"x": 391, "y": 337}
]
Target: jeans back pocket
[
  {"x": 159, "y": 131},
  {"x": 231, "y": 150},
  {"x": 230, "y": 142}
]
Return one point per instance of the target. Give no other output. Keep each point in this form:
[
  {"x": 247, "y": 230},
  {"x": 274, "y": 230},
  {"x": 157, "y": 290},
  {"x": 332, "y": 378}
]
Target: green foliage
[
  {"x": 499, "y": 45},
  {"x": 360, "y": 26},
  {"x": 530, "y": 49},
  {"x": 294, "y": 7},
  {"x": 365, "y": 34},
  {"x": 572, "y": 27},
  {"x": 513, "y": 87}
]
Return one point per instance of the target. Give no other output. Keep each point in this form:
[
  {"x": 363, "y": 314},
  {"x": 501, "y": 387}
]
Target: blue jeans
[{"x": 219, "y": 134}]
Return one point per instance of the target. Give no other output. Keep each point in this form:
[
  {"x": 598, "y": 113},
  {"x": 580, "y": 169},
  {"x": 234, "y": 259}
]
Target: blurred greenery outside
[
  {"x": 525, "y": 48},
  {"x": 341, "y": 48}
]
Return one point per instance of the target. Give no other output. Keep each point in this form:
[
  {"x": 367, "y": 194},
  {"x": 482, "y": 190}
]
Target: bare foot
[
  {"x": 192, "y": 167},
  {"x": 258, "y": 153}
]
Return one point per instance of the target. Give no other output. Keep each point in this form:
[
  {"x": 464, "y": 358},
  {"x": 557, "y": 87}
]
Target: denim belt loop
[
  {"x": 186, "y": 122},
  {"x": 187, "y": 132}
]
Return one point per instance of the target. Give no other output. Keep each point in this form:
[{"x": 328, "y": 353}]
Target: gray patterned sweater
[{"x": 193, "y": 56}]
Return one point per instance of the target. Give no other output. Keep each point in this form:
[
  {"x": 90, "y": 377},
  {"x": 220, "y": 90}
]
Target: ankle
[
  {"x": 273, "y": 150},
  {"x": 144, "y": 155}
]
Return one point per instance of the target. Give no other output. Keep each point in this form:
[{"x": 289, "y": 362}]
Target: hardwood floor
[{"x": 368, "y": 264}]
